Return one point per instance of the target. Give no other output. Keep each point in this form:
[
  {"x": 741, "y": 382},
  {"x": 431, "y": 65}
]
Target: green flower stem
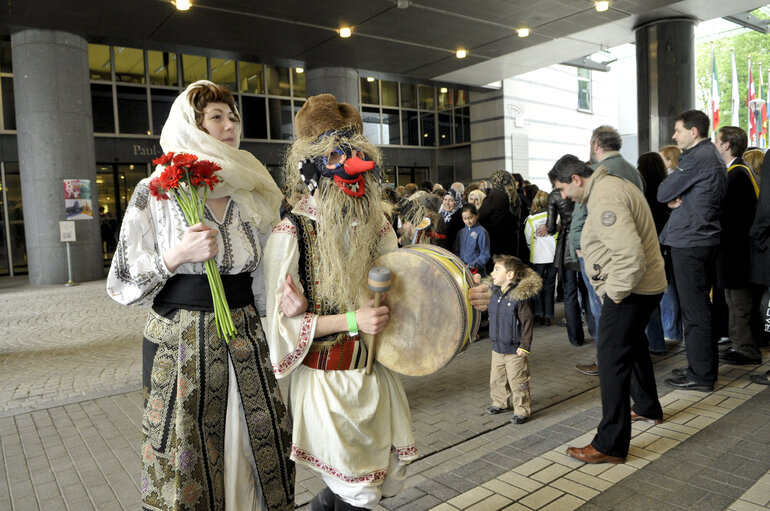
[{"x": 192, "y": 208}]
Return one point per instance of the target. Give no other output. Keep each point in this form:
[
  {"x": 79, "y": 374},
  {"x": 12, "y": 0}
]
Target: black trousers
[
  {"x": 695, "y": 275},
  {"x": 625, "y": 369},
  {"x": 569, "y": 280}
]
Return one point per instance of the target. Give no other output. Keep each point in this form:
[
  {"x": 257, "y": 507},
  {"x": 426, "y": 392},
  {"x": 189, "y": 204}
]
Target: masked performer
[
  {"x": 215, "y": 433},
  {"x": 354, "y": 428}
]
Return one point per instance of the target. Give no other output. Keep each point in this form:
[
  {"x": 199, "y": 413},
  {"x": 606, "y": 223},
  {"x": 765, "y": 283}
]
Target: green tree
[{"x": 749, "y": 44}]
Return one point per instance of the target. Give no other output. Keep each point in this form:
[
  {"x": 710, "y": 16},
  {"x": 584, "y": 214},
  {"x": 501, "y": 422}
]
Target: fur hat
[{"x": 322, "y": 113}]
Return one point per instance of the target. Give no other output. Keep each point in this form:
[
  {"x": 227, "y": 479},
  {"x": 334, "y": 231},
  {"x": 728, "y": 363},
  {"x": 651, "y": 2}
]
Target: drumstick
[{"x": 379, "y": 282}]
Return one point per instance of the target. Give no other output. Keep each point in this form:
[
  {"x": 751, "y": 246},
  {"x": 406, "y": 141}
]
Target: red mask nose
[{"x": 355, "y": 165}]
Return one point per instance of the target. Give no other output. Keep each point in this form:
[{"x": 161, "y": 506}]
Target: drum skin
[{"x": 431, "y": 318}]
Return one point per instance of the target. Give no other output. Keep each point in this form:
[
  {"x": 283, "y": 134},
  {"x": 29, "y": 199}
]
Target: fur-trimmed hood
[{"x": 528, "y": 287}]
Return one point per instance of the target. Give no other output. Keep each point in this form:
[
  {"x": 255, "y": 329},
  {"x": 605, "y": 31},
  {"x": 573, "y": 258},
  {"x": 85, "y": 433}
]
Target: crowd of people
[{"x": 673, "y": 248}]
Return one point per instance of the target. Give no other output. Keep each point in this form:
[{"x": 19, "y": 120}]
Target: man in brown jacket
[{"x": 625, "y": 268}]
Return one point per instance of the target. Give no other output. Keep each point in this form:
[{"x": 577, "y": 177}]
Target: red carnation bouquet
[{"x": 184, "y": 177}]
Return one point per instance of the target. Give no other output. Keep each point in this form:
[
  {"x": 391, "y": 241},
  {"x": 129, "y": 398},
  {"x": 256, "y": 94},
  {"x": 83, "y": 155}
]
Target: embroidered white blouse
[{"x": 151, "y": 227}]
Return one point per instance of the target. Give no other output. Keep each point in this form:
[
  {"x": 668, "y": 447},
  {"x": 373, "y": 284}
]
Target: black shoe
[
  {"x": 724, "y": 340},
  {"x": 323, "y": 501},
  {"x": 762, "y": 379},
  {"x": 682, "y": 382},
  {"x": 576, "y": 343},
  {"x": 679, "y": 372},
  {"x": 519, "y": 419},
  {"x": 493, "y": 410},
  {"x": 737, "y": 358}
]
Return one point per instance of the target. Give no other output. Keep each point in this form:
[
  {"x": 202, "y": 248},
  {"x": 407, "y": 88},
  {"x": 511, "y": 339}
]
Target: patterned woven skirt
[{"x": 183, "y": 427}]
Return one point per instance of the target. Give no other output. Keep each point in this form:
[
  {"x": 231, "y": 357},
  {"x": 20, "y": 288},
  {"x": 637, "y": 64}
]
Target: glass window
[
  {"x": 162, "y": 99},
  {"x": 99, "y": 62},
  {"x": 280, "y": 119},
  {"x": 408, "y": 95},
  {"x": 444, "y": 129},
  {"x": 101, "y": 108},
  {"x": 129, "y": 176},
  {"x": 163, "y": 68},
  {"x": 461, "y": 97},
  {"x": 5, "y": 57},
  {"x": 132, "y": 110},
  {"x": 371, "y": 118},
  {"x": 391, "y": 132},
  {"x": 584, "y": 89},
  {"x": 223, "y": 73},
  {"x": 129, "y": 64},
  {"x": 410, "y": 130},
  {"x": 252, "y": 78},
  {"x": 278, "y": 81},
  {"x": 389, "y": 93},
  {"x": 105, "y": 190},
  {"x": 298, "y": 83},
  {"x": 370, "y": 93},
  {"x": 388, "y": 175},
  {"x": 15, "y": 217},
  {"x": 445, "y": 97},
  {"x": 193, "y": 69},
  {"x": 462, "y": 125},
  {"x": 9, "y": 109},
  {"x": 254, "y": 117},
  {"x": 426, "y": 97},
  {"x": 428, "y": 129}
]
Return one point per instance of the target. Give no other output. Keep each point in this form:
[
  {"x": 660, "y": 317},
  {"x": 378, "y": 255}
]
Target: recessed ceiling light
[
  {"x": 300, "y": 70},
  {"x": 183, "y": 5},
  {"x": 369, "y": 79},
  {"x": 523, "y": 32},
  {"x": 461, "y": 54},
  {"x": 345, "y": 32},
  {"x": 443, "y": 90},
  {"x": 602, "y": 5}
]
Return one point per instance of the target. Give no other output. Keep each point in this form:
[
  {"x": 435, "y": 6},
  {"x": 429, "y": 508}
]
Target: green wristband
[{"x": 352, "y": 324}]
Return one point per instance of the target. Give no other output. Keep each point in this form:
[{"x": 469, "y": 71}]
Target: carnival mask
[{"x": 345, "y": 166}]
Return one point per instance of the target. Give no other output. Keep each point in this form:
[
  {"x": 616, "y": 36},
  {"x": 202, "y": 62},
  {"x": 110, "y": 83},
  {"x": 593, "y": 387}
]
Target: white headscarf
[{"x": 242, "y": 177}]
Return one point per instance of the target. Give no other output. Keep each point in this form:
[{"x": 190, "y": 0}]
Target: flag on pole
[
  {"x": 749, "y": 96},
  {"x": 714, "y": 94},
  {"x": 763, "y": 127},
  {"x": 735, "y": 99}
]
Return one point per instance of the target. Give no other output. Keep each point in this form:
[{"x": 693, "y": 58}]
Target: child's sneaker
[
  {"x": 493, "y": 410},
  {"x": 519, "y": 419}
]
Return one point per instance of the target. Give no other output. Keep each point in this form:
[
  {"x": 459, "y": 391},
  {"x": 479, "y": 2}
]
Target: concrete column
[
  {"x": 665, "y": 59},
  {"x": 342, "y": 82},
  {"x": 56, "y": 142},
  {"x": 489, "y": 147}
]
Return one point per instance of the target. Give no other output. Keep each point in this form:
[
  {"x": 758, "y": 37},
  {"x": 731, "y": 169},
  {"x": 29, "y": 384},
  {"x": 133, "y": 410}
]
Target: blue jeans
[
  {"x": 670, "y": 315},
  {"x": 654, "y": 331},
  {"x": 593, "y": 299},
  {"x": 544, "y": 299}
]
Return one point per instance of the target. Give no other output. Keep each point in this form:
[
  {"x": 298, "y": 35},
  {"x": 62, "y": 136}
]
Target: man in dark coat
[
  {"x": 738, "y": 209},
  {"x": 760, "y": 257},
  {"x": 500, "y": 215}
]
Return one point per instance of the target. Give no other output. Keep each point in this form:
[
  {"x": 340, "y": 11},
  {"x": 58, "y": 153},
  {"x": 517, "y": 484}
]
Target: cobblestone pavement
[{"x": 70, "y": 417}]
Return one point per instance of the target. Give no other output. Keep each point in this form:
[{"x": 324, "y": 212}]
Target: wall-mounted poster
[{"x": 77, "y": 199}]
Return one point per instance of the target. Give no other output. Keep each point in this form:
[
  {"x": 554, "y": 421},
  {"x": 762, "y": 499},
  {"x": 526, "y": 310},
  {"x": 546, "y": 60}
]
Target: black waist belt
[{"x": 185, "y": 291}]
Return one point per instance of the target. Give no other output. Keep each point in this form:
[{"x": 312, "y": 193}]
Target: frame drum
[{"x": 431, "y": 317}]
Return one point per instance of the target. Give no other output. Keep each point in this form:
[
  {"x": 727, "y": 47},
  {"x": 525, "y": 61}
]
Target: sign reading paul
[{"x": 77, "y": 199}]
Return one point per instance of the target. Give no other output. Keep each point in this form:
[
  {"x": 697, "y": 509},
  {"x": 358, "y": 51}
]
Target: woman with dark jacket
[
  {"x": 500, "y": 215},
  {"x": 760, "y": 257},
  {"x": 569, "y": 270},
  {"x": 653, "y": 171}
]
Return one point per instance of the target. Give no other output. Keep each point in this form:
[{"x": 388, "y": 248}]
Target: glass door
[
  {"x": 13, "y": 253},
  {"x": 115, "y": 183}
]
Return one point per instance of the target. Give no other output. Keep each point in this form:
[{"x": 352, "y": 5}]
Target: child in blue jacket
[{"x": 472, "y": 243}]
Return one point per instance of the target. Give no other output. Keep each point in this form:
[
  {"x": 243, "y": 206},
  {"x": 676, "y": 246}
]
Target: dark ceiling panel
[
  {"x": 383, "y": 56},
  {"x": 326, "y": 13},
  {"x": 243, "y": 35},
  {"x": 443, "y": 66},
  {"x": 579, "y": 22},
  {"x": 510, "y": 44},
  {"x": 414, "y": 25}
]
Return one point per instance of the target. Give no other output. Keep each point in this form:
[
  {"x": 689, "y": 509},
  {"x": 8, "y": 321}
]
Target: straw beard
[{"x": 348, "y": 237}]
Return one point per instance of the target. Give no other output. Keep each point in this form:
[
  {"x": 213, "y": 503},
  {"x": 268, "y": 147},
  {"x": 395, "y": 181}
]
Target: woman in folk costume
[
  {"x": 215, "y": 432},
  {"x": 354, "y": 428}
]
